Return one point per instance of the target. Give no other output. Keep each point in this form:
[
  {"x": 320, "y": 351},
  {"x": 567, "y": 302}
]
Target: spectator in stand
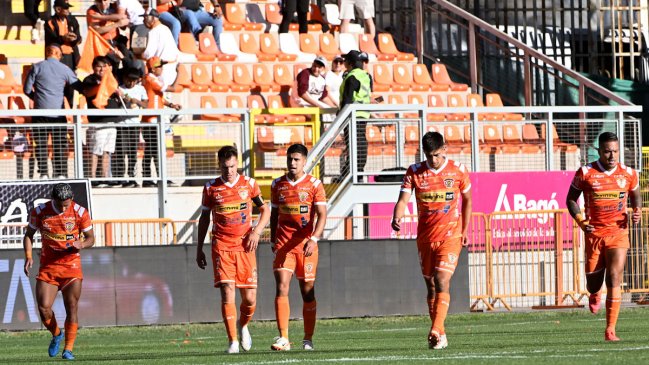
[
  {"x": 63, "y": 29},
  {"x": 172, "y": 16},
  {"x": 45, "y": 85},
  {"x": 365, "y": 58},
  {"x": 311, "y": 88},
  {"x": 128, "y": 137},
  {"x": 133, "y": 10},
  {"x": 103, "y": 136},
  {"x": 289, "y": 7},
  {"x": 334, "y": 78},
  {"x": 162, "y": 46},
  {"x": 105, "y": 20},
  {"x": 31, "y": 12},
  {"x": 155, "y": 87},
  {"x": 198, "y": 18},
  {"x": 366, "y": 10}
]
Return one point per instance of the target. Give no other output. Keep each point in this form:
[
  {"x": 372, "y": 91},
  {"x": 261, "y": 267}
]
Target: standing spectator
[
  {"x": 364, "y": 7},
  {"x": 66, "y": 230},
  {"x": 155, "y": 87},
  {"x": 45, "y": 85},
  {"x": 132, "y": 9},
  {"x": 334, "y": 78},
  {"x": 103, "y": 136},
  {"x": 135, "y": 97},
  {"x": 63, "y": 29},
  {"x": 289, "y": 7},
  {"x": 31, "y": 12},
  {"x": 105, "y": 20},
  {"x": 443, "y": 225},
  {"x": 161, "y": 44},
  {"x": 172, "y": 16},
  {"x": 198, "y": 18}
]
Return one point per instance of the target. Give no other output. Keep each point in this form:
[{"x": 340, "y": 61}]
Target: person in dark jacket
[{"x": 63, "y": 29}]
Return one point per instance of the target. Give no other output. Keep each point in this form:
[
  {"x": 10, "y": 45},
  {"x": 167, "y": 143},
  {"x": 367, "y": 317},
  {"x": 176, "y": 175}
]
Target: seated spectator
[
  {"x": 161, "y": 45},
  {"x": 311, "y": 90},
  {"x": 172, "y": 16},
  {"x": 128, "y": 137},
  {"x": 198, "y": 18},
  {"x": 105, "y": 20},
  {"x": 334, "y": 78}
]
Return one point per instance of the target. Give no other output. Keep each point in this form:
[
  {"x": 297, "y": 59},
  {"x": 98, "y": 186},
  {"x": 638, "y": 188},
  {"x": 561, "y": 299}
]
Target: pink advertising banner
[{"x": 500, "y": 192}]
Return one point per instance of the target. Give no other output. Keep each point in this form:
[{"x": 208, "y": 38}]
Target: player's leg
[
  {"x": 615, "y": 260},
  {"x": 45, "y": 296},
  {"x": 445, "y": 260},
  {"x": 284, "y": 266},
  {"x": 247, "y": 283},
  {"x": 594, "y": 266},
  {"x": 71, "y": 293},
  {"x": 306, "y": 268},
  {"x": 229, "y": 313},
  {"x": 426, "y": 260}
]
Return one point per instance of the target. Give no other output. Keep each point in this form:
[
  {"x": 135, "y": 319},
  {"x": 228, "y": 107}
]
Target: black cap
[
  {"x": 352, "y": 56},
  {"x": 133, "y": 73},
  {"x": 151, "y": 12},
  {"x": 363, "y": 57},
  {"x": 62, "y": 4}
]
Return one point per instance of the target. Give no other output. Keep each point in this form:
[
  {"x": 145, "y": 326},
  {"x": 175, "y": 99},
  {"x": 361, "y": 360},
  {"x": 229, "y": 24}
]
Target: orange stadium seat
[
  {"x": 396, "y": 99},
  {"x": 475, "y": 101},
  {"x": 16, "y": 102},
  {"x": 276, "y": 102},
  {"x": 187, "y": 44},
  {"x": 412, "y": 140},
  {"x": 382, "y": 77},
  {"x": 243, "y": 79},
  {"x": 491, "y": 135},
  {"x": 8, "y": 83},
  {"x": 440, "y": 76},
  {"x": 207, "y": 45},
  {"x": 421, "y": 76},
  {"x": 436, "y": 101},
  {"x": 273, "y": 13},
  {"x": 236, "y": 13},
  {"x": 248, "y": 44},
  {"x": 373, "y": 135},
  {"x": 556, "y": 141},
  {"x": 265, "y": 138},
  {"x": 235, "y": 102},
  {"x": 183, "y": 80},
  {"x": 457, "y": 101},
  {"x": 263, "y": 77},
  {"x": 283, "y": 77},
  {"x": 328, "y": 46},
  {"x": 386, "y": 46},
  {"x": 269, "y": 44},
  {"x": 256, "y": 101},
  {"x": 512, "y": 137},
  {"x": 496, "y": 101},
  {"x": 454, "y": 137},
  {"x": 403, "y": 78},
  {"x": 201, "y": 81},
  {"x": 366, "y": 44},
  {"x": 309, "y": 44},
  {"x": 221, "y": 78},
  {"x": 209, "y": 102}
]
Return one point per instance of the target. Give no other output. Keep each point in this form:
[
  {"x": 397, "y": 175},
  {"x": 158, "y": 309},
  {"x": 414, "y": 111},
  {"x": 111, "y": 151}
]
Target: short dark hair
[
  {"x": 607, "y": 137},
  {"x": 432, "y": 141},
  {"x": 297, "y": 148},
  {"x": 227, "y": 152},
  {"x": 62, "y": 191},
  {"x": 100, "y": 59}
]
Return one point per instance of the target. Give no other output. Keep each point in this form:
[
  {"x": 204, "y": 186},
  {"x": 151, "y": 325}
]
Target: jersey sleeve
[
  {"x": 578, "y": 180},
  {"x": 465, "y": 182},
  {"x": 34, "y": 219},
  {"x": 635, "y": 181},
  {"x": 320, "y": 197},
  {"x": 274, "y": 201},
  {"x": 255, "y": 189},
  {"x": 206, "y": 202},
  {"x": 85, "y": 223},
  {"x": 406, "y": 184}
]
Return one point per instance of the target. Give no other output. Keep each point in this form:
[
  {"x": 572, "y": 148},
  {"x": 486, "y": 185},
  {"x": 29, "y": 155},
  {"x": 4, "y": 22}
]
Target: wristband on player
[
  {"x": 581, "y": 221},
  {"x": 28, "y": 255},
  {"x": 314, "y": 239}
]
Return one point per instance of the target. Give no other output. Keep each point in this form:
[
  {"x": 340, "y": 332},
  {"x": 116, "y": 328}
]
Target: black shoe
[
  {"x": 99, "y": 184},
  {"x": 171, "y": 184},
  {"x": 149, "y": 184},
  {"x": 114, "y": 184},
  {"x": 129, "y": 184}
]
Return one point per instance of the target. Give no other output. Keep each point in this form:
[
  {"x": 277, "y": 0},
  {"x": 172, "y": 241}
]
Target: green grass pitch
[{"x": 552, "y": 337}]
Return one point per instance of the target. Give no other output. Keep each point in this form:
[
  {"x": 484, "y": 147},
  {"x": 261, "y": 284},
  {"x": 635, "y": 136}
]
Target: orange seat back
[
  {"x": 382, "y": 74},
  {"x": 273, "y": 14},
  {"x": 221, "y": 75},
  {"x": 328, "y": 44},
  {"x": 248, "y": 43},
  {"x": 386, "y": 44},
  {"x": 308, "y": 43},
  {"x": 474, "y": 100},
  {"x": 402, "y": 74},
  {"x": 421, "y": 74},
  {"x": 241, "y": 75},
  {"x": 494, "y": 100},
  {"x": 440, "y": 74},
  {"x": 187, "y": 43},
  {"x": 200, "y": 75},
  {"x": 235, "y": 13},
  {"x": 282, "y": 75},
  {"x": 207, "y": 44},
  {"x": 261, "y": 74},
  {"x": 256, "y": 102},
  {"x": 269, "y": 44},
  {"x": 511, "y": 134},
  {"x": 367, "y": 45}
]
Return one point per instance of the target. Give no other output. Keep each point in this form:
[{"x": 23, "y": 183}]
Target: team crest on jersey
[
  {"x": 448, "y": 183},
  {"x": 69, "y": 226},
  {"x": 303, "y": 195},
  {"x": 308, "y": 268},
  {"x": 243, "y": 194},
  {"x": 621, "y": 182},
  {"x": 281, "y": 198},
  {"x": 452, "y": 258},
  {"x": 253, "y": 278}
]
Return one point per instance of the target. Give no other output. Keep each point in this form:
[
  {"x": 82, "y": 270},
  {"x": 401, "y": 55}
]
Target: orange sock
[
  {"x": 613, "y": 301},
  {"x": 282, "y": 313},
  {"x": 431, "y": 308},
  {"x": 309, "y": 312},
  {"x": 442, "y": 302},
  {"x": 247, "y": 312},
  {"x": 70, "y": 335},
  {"x": 229, "y": 313},
  {"x": 52, "y": 326}
]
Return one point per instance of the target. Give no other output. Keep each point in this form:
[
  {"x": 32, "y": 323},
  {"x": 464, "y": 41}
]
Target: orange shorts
[
  {"x": 60, "y": 274},
  {"x": 441, "y": 255},
  {"x": 596, "y": 250},
  {"x": 236, "y": 267},
  {"x": 304, "y": 267}
]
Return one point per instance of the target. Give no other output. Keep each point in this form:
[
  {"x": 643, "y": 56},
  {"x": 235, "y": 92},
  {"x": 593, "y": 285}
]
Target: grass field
[{"x": 556, "y": 337}]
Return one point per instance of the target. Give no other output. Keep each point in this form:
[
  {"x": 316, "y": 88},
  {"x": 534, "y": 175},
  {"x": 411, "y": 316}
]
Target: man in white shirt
[
  {"x": 133, "y": 9},
  {"x": 161, "y": 44}
]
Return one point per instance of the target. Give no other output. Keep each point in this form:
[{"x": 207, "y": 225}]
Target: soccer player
[
  {"x": 229, "y": 200},
  {"x": 442, "y": 230},
  {"x": 606, "y": 185},
  {"x": 66, "y": 229},
  {"x": 298, "y": 204}
]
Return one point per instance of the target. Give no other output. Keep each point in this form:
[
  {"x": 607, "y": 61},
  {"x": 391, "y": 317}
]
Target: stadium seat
[
  {"x": 491, "y": 135},
  {"x": 332, "y": 14},
  {"x": 373, "y": 135},
  {"x": 256, "y": 101},
  {"x": 209, "y": 102},
  {"x": 8, "y": 83},
  {"x": 183, "y": 80},
  {"x": 234, "y": 102},
  {"x": 454, "y": 138},
  {"x": 236, "y": 14},
  {"x": 263, "y": 78},
  {"x": 495, "y": 101},
  {"x": 347, "y": 42},
  {"x": 201, "y": 81},
  {"x": 397, "y": 99},
  {"x": 243, "y": 79},
  {"x": 435, "y": 101},
  {"x": 440, "y": 76},
  {"x": 366, "y": 44},
  {"x": 457, "y": 101},
  {"x": 207, "y": 45},
  {"x": 283, "y": 77},
  {"x": 328, "y": 46},
  {"x": 475, "y": 101},
  {"x": 276, "y": 102},
  {"x": 386, "y": 46},
  {"x": 222, "y": 79},
  {"x": 382, "y": 77},
  {"x": 411, "y": 133},
  {"x": 265, "y": 138},
  {"x": 269, "y": 45},
  {"x": 512, "y": 137},
  {"x": 273, "y": 13},
  {"x": 421, "y": 76},
  {"x": 187, "y": 44},
  {"x": 403, "y": 78},
  {"x": 248, "y": 44},
  {"x": 298, "y": 67},
  {"x": 288, "y": 45},
  {"x": 309, "y": 44},
  {"x": 567, "y": 147},
  {"x": 229, "y": 45}
]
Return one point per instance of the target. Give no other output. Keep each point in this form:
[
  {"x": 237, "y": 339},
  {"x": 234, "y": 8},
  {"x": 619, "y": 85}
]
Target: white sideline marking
[{"x": 378, "y": 330}]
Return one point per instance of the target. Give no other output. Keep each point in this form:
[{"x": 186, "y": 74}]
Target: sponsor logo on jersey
[
  {"x": 294, "y": 209},
  {"x": 606, "y": 195},
  {"x": 231, "y": 207}
]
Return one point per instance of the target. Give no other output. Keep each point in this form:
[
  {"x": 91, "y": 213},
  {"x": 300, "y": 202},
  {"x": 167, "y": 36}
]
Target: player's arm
[
  {"x": 467, "y": 209},
  {"x": 636, "y": 205},
  {"x": 28, "y": 241},
  {"x": 87, "y": 242},
  {"x": 575, "y": 211},
  {"x": 274, "y": 219},
  {"x": 321, "y": 220},
  {"x": 203, "y": 225},
  {"x": 256, "y": 231},
  {"x": 399, "y": 209}
]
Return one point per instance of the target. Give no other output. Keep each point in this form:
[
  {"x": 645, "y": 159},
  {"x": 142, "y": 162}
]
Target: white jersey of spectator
[
  {"x": 161, "y": 44},
  {"x": 134, "y": 11},
  {"x": 137, "y": 92},
  {"x": 333, "y": 82}
]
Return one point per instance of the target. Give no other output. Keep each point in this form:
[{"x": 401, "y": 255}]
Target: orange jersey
[
  {"x": 94, "y": 10},
  {"x": 231, "y": 206},
  {"x": 605, "y": 196},
  {"x": 295, "y": 202},
  {"x": 59, "y": 230},
  {"x": 437, "y": 193},
  {"x": 155, "y": 94}
]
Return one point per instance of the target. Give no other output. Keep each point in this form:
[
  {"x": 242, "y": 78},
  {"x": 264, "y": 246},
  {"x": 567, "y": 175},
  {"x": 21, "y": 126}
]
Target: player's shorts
[
  {"x": 236, "y": 267},
  {"x": 365, "y": 9},
  {"x": 104, "y": 141},
  {"x": 596, "y": 249},
  {"x": 60, "y": 274},
  {"x": 304, "y": 267},
  {"x": 439, "y": 256}
]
